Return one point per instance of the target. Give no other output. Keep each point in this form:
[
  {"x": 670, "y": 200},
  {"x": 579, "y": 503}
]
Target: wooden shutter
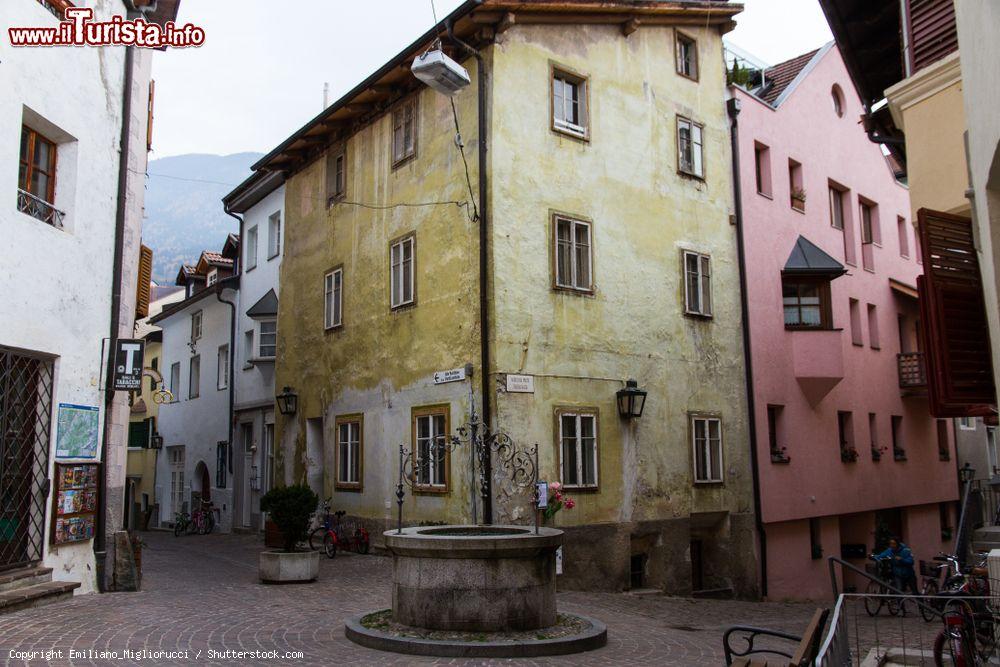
[
  {"x": 142, "y": 287},
  {"x": 933, "y": 32},
  {"x": 953, "y": 318}
]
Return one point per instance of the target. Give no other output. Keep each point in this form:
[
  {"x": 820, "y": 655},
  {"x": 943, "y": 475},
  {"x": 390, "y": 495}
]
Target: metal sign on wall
[
  {"x": 453, "y": 375},
  {"x": 128, "y": 358},
  {"x": 520, "y": 384}
]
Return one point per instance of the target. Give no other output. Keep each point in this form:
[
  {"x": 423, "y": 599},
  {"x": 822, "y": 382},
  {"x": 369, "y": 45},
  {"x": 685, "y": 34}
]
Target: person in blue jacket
[{"x": 902, "y": 565}]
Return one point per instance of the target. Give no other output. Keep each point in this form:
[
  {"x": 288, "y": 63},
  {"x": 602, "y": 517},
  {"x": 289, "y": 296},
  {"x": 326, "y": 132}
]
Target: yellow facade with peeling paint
[{"x": 646, "y": 511}]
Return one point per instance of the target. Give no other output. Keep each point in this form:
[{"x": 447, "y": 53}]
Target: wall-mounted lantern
[
  {"x": 288, "y": 401},
  {"x": 966, "y": 473},
  {"x": 631, "y": 400},
  {"x": 156, "y": 441}
]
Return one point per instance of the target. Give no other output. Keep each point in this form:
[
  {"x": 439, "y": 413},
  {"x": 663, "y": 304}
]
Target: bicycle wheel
[
  {"x": 209, "y": 523},
  {"x": 361, "y": 543},
  {"x": 192, "y": 526},
  {"x": 873, "y": 605},
  {"x": 316, "y": 538},
  {"x": 894, "y": 604},
  {"x": 330, "y": 546},
  {"x": 178, "y": 528},
  {"x": 929, "y": 590}
]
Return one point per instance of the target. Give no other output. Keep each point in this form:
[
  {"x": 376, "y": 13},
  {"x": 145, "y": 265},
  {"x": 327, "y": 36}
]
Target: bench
[{"x": 805, "y": 652}]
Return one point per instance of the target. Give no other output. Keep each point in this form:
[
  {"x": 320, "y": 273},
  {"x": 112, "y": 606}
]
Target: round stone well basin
[{"x": 474, "y": 578}]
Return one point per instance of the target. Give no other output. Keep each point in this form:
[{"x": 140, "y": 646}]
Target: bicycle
[
  {"x": 335, "y": 535},
  {"x": 182, "y": 520},
  {"x": 931, "y": 609},
  {"x": 325, "y": 534},
  {"x": 968, "y": 635},
  {"x": 878, "y": 593},
  {"x": 203, "y": 519}
]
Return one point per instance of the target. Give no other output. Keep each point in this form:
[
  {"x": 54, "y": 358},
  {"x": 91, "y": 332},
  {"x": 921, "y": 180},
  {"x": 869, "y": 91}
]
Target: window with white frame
[
  {"x": 336, "y": 175},
  {"x": 349, "y": 452},
  {"x": 222, "y": 379},
  {"x": 430, "y": 432},
  {"x": 569, "y": 103},
  {"x": 195, "y": 325},
  {"x": 267, "y": 340},
  {"x": 248, "y": 351},
  {"x": 706, "y": 440},
  {"x": 573, "y": 254},
  {"x": 578, "y": 448},
  {"x": 175, "y": 381},
  {"x": 689, "y": 148},
  {"x": 251, "y": 258},
  {"x": 967, "y": 423},
  {"x": 213, "y": 277},
  {"x": 194, "y": 377},
  {"x": 333, "y": 284},
  {"x": 687, "y": 56},
  {"x": 402, "y": 271},
  {"x": 175, "y": 457},
  {"x": 274, "y": 235},
  {"x": 404, "y": 132},
  {"x": 697, "y": 284}
]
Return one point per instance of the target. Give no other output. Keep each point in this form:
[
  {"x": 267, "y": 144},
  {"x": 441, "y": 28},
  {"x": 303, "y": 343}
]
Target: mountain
[{"x": 184, "y": 212}]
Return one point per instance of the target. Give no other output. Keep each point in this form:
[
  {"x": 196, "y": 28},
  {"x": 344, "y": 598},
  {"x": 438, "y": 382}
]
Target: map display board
[
  {"x": 74, "y": 503},
  {"x": 76, "y": 431}
]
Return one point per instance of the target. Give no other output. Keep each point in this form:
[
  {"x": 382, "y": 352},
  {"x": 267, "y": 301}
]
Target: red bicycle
[{"x": 335, "y": 535}]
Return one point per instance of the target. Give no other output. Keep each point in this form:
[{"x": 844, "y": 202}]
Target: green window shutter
[{"x": 138, "y": 434}]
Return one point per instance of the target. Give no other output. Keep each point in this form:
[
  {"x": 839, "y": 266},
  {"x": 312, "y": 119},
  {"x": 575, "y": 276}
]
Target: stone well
[{"x": 474, "y": 578}]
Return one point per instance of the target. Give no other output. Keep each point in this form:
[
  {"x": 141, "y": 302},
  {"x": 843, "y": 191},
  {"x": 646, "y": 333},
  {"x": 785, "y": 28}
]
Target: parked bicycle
[
  {"x": 204, "y": 518},
  {"x": 182, "y": 522},
  {"x": 333, "y": 534},
  {"x": 878, "y": 594},
  {"x": 968, "y": 638}
]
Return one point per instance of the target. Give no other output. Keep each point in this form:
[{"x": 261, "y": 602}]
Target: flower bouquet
[{"x": 557, "y": 500}]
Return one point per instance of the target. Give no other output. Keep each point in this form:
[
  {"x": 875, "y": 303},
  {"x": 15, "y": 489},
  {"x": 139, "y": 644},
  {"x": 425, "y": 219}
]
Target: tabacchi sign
[{"x": 79, "y": 29}]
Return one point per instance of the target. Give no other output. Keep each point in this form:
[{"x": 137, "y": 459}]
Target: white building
[
  {"x": 63, "y": 213},
  {"x": 196, "y": 461},
  {"x": 260, "y": 200}
]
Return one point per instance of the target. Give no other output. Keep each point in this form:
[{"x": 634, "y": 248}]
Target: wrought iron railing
[
  {"x": 39, "y": 209},
  {"x": 912, "y": 370}
]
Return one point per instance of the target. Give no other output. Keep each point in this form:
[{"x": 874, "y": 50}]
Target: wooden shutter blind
[
  {"x": 933, "y": 33},
  {"x": 953, "y": 318},
  {"x": 143, "y": 286}
]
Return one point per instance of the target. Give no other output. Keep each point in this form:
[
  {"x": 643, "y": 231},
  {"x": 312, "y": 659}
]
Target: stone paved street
[{"x": 201, "y": 593}]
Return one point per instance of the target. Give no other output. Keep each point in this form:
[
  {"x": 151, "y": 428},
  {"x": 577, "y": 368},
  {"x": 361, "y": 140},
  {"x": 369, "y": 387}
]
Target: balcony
[
  {"x": 912, "y": 373},
  {"x": 39, "y": 209}
]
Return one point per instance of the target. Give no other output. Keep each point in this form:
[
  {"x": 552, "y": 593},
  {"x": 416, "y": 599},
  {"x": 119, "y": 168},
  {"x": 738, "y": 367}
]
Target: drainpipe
[
  {"x": 484, "y": 321},
  {"x": 232, "y": 354},
  {"x": 733, "y": 108},
  {"x": 101, "y": 529}
]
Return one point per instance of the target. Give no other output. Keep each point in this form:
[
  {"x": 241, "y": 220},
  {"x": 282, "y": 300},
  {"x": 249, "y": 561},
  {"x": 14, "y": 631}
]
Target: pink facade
[{"x": 826, "y": 377}]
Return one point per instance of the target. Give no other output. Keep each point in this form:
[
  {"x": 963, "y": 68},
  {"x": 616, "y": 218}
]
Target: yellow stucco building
[{"x": 610, "y": 255}]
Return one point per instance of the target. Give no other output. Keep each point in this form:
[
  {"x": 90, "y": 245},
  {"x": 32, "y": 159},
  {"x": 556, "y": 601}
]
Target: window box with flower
[{"x": 557, "y": 500}]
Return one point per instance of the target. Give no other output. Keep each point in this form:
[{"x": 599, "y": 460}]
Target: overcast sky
[{"x": 260, "y": 74}]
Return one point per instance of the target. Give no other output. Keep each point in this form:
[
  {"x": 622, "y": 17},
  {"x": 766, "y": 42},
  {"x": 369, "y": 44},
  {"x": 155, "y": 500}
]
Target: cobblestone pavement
[{"x": 202, "y": 593}]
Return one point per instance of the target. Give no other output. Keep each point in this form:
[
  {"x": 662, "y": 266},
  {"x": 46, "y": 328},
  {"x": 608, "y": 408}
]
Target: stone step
[
  {"x": 23, "y": 577},
  {"x": 37, "y": 595}
]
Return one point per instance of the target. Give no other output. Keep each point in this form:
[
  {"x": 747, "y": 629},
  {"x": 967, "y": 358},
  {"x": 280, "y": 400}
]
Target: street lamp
[
  {"x": 966, "y": 473},
  {"x": 288, "y": 401},
  {"x": 156, "y": 441},
  {"x": 631, "y": 400},
  {"x": 440, "y": 72}
]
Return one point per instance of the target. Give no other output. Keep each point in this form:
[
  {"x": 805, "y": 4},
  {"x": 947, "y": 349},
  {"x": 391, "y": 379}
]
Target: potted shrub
[{"x": 290, "y": 507}]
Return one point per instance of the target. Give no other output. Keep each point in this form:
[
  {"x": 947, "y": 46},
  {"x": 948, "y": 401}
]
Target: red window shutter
[
  {"x": 142, "y": 288},
  {"x": 933, "y": 32},
  {"x": 953, "y": 318}
]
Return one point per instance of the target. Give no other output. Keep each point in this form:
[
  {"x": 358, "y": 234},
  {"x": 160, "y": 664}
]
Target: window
[
  {"x": 195, "y": 325},
  {"x": 573, "y": 261},
  {"x": 869, "y": 235},
  {"x": 845, "y": 432},
  {"x": 856, "y": 335},
  {"x": 991, "y": 450},
  {"x": 689, "y": 154},
  {"x": 944, "y": 520},
  {"x": 332, "y": 298},
  {"x": 898, "y": 451},
  {"x": 837, "y": 96},
  {"x": 248, "y": 351},
  {"x": 37, "y": 173},
  {"x": 836, "y": 208},
  {"x": 839, "y": 219},
  {"x": 916, "y": 244},
  {"x": 944, "y": 453},
  {"x": 268, "y": 457},
  {"x": 194, "y": 377},
  {"x": 274, "y": 235},
  {"x": 775, "y": 434},
  {"x": 967, "y": 423},
  {"x": 873, "y": 437},
  {"x": 762, "y": 168},
  {"x": 873, "y": 336},
  {"x": 687, "y": 56},
  {"x": 706, "y": 437},
  {"x": 251, "y": 260},
  {"x": 222, "y": 380},
  {"x": 268, "y": 340},
  {"x": 175, "y": 456},
  {"x": 213, "y": 277},
  {"x": 578, "y": 447},
  {"x": 175, "y": 381},
  {"x": 815, "y": 539},
  {"x": 569, "y": 104},
  {"x": 336, "y": 175},
  {"x": 797, "y": 192},
  {"x": 904, "y": 239},
  {"x": 404, "y": 132},
  {"x": 221, "y": 464},
  {"x": 806, "y": 303},
  {"x": 697, "y": 284},
  {"x": 430, "y": 440},
  {"x": 402, "y": 275},
  {"x": 350, "y": 450}
]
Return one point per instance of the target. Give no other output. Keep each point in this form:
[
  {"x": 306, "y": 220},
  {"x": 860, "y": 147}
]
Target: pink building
[{"x": 847, "y": 451}]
